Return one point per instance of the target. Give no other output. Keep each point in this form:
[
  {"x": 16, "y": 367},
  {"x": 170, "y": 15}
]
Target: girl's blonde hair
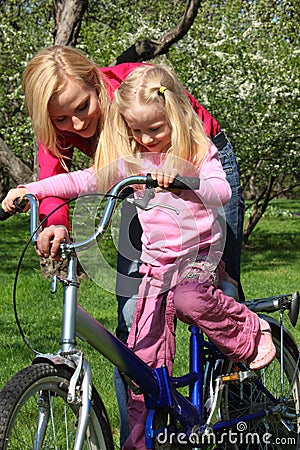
[
  {"x": 158, "y": 86},
  {"x": 46, "y": 75}
]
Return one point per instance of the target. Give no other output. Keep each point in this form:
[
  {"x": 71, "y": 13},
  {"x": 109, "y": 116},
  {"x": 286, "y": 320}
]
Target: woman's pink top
[{"x": 166, "y": 234}]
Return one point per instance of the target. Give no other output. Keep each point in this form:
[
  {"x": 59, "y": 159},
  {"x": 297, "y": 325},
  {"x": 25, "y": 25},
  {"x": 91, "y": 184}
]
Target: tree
[
  {"x": 146, "y": 49},
  {"x": 17, "y": 170},
  {"x": 68, "y": 17},
  {"x": 25, "y": 27},
  {"x": 247, "y": 74}
]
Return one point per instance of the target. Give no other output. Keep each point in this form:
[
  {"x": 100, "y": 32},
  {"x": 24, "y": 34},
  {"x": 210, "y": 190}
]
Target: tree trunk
[
  {"x": 15, "y": 168},
  {"x": 260, "y": 206},
  {"x": 147, "y": 49},
  {"x": 4, "y": 183},
  {"x": 68, "y": 17}
]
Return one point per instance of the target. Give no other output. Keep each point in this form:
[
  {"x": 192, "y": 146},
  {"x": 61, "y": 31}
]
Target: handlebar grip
[
  {"x": 4, "y": 215},
  {"x": 19, "y": 208},
  {"x": 180, "y": 182}
]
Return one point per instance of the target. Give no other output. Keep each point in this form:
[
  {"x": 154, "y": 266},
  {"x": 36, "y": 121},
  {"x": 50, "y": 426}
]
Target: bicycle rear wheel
[
  {"x": 274, "y": 431},
  {"x": 41, "y": 391}
]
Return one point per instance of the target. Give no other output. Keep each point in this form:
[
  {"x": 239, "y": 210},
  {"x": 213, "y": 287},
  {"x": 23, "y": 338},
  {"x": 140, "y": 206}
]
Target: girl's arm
[{"x": 64, "y": 186}]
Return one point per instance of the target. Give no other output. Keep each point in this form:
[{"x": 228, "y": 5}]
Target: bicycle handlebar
[
  {"x": 180, "y": 182},
  {"x": 20, "y": 205}
]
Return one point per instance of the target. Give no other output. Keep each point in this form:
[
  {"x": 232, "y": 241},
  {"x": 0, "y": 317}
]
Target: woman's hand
[
  {"x": 232, "y": 281},
  {"x": 48, "y": 242},
  {"x": 13, "y": 194}
]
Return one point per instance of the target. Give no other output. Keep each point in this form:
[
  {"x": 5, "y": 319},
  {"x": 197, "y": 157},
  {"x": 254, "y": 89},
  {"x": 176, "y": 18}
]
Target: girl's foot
[{"x": 265, "y": 350}]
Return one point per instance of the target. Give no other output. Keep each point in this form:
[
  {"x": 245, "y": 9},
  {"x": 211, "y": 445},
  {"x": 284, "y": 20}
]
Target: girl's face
[
  {"x": 149, "y": 127},
  {"x": 76, "y": 109}
]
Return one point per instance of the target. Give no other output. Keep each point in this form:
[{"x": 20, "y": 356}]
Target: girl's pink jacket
[{"x": 167, "y": 235}]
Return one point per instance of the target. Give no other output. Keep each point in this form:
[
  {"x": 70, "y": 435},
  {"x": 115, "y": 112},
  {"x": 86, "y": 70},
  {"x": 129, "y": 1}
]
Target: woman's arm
[
  {"x": 211, "y": 126},
  {"x": 50, "y": 165}
]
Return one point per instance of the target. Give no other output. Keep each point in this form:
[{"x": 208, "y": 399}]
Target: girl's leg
[
  {"x": 237, "y": 331},
  {"x": 227, "y": 323},
  {"x": 152, "y": 339}
]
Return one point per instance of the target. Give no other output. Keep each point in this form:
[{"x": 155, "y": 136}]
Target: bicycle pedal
[{"x": 240, "y": 375}]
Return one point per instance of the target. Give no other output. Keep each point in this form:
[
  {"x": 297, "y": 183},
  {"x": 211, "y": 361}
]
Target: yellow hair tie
[{"x": 162, "y": 90}]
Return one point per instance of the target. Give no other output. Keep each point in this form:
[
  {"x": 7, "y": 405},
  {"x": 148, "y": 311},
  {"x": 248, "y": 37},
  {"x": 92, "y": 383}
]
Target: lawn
[{"x": 270, "y": 266}]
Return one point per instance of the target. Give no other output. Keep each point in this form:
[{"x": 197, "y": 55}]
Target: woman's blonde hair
[
  {"x": 46, "y": 75},
  {"x": 154, "y": 85}
]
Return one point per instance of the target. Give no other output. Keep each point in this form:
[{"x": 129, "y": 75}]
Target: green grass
[
  {"x": 270, "y": 263},
  {"x": 270, "y": 266}
]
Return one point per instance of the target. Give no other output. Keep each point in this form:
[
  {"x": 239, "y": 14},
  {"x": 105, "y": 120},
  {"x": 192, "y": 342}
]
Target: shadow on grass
[
  {"x": 275, "y": 241},
  {"x": 14, "y": 234}
]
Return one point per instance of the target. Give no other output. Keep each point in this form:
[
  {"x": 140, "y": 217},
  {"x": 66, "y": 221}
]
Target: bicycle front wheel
[
  {"x": 35, "y": 414},
  {"x": 277, "y": 430}
]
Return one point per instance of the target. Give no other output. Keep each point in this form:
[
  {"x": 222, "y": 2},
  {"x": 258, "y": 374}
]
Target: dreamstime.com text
[{"x": 241, "y": 436}]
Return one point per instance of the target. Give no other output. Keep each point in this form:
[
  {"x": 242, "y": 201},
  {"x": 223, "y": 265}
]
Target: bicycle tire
[
  {"x": 44, "y": 383},
  {"x": 276, "y": 430}
]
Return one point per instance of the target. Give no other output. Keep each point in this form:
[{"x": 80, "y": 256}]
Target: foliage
[
  {"x": 246, "y": 71},
  {"x": 25, "y": 28}
]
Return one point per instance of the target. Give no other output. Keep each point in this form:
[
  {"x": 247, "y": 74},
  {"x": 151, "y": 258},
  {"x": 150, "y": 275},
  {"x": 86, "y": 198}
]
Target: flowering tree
[
  {"x": 247, "y": 73},
  {"x": 239, "y": 59}
]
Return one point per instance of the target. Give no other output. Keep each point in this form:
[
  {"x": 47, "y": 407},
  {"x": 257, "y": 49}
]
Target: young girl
[{"x": 152, "y": 128}]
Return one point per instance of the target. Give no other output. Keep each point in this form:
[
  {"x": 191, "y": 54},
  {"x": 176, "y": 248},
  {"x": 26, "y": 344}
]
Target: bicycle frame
[{"x": 158, "y": 387}]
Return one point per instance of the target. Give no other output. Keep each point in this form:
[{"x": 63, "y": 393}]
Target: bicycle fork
[
  {"x": 84, "y": 400},
  {"x": 80, "y": 387}
]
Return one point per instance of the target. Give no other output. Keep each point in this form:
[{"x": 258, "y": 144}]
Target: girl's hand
[
  {"x": 49, "y": 240},
  {"x": 164, "y": 178},
  {"x": 8, "y": 202}
]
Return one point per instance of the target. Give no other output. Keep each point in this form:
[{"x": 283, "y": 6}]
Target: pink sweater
[{"x": 166, "y": 235}]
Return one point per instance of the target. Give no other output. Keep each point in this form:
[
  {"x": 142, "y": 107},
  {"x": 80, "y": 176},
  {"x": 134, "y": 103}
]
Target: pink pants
[{"x": 227, "y": 323}]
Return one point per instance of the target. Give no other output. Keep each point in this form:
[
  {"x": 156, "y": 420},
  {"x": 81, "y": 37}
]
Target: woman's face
[{"x": 76, "y": 109}]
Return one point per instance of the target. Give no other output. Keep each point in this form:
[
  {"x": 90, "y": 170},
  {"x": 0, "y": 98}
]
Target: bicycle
[{"x": 53, "y": 404}]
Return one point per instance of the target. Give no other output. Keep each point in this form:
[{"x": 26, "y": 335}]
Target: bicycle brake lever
[
  {"x": 143, "y": 202},
  {"x": 162, "y": 205}
]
